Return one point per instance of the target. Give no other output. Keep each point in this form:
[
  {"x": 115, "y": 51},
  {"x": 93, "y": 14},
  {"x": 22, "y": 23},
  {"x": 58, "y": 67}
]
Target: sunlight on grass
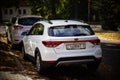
[{"x": 110, "y": 36}]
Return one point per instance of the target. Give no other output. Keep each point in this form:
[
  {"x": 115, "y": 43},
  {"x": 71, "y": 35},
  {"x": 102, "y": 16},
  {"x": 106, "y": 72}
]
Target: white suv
[
  {"x": 20, "y": 25},
  {"x": 62, "y": 42}
]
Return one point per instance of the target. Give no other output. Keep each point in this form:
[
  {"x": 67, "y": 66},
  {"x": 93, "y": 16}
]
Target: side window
[
  {"x": 32, "y": 31},
  {"x": 19, "y": 11},
  {"x": 37, "y": 29},
  {"x": 10, "y": 11},
  {"x": 6, "y": 11},
  {"x": 24, "y": 11}
]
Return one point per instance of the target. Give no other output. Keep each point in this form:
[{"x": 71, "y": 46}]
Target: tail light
[
  {"x": 18, "y": 27},
  {"x": 96, "y": 41},
  {"x": 99, "y": 59},
  {"x": 51, "y": 44}
]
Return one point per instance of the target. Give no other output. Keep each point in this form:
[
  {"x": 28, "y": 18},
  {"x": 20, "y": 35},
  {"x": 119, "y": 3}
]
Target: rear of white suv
[
  {"x": 61, "y": 42},
  {"x": 20, "y": 26}
]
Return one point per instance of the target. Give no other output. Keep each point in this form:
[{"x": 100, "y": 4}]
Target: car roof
[
  {"x": 29, "y": 16},
  {"x": 61, "y": 22}
]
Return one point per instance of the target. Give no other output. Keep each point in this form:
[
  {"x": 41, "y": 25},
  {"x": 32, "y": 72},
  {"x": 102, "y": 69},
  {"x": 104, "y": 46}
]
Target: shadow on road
[{"x": 79, "y": 72}]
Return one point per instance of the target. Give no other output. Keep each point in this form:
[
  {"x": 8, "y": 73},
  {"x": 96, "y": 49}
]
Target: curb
[{"x": 20, "y": 66}]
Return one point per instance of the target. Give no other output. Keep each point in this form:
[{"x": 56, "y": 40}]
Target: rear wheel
[{"x": 39, "y": 64}]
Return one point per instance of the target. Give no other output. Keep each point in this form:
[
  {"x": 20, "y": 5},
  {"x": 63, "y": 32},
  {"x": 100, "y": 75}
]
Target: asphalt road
[{"x": 109, "y": 69}]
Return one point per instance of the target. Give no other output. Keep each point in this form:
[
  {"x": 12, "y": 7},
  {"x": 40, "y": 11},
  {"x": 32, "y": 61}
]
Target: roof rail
[
  {"x": 49, "y": 22},
  {"x": 79, "y": 20},
  {"x": 66, "y": 20}
]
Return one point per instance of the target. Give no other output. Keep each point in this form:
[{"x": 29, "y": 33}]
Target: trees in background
[
  {"x": 64, "y": 9},
  {"x": 7, "y": 3},
  {"x": 105, "y": 12},
  {"x": 108, "y": 13}
]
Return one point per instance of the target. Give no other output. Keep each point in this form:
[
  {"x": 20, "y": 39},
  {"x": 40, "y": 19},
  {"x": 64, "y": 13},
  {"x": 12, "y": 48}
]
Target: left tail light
[
  {"x": 18, "y": 27},
  {"x": 51, "y": 44}
]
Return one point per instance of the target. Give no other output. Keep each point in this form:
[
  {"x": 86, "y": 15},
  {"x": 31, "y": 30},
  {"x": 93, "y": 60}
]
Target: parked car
[
  {"x": 20, "y": 25},
  {"x": 62, "y": 42}
]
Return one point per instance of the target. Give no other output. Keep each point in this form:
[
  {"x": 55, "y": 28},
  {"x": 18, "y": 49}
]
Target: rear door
[
  {"x": 33, "y": 38},
  {"x": 73, "y": 40}
]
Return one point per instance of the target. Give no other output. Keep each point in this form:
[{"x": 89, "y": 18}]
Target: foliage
[
  {"x": 64, "y": 9},
  {"x": 9, "y": 3},
  {"x": 108, "y": 12},
  {"x": 105, "y": 11}
]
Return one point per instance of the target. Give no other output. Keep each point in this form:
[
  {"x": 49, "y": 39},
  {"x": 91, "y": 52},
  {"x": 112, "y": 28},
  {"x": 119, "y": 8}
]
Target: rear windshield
[
  {"x": 29, "y": 21},
  {"x": 70, "y": 30}
]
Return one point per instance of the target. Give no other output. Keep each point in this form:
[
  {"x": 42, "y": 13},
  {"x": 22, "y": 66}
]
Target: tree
[
  {"x": 108, "y": 13},
  {"x": 7, "y": 3},
  {"x": 64, "y": 9}
]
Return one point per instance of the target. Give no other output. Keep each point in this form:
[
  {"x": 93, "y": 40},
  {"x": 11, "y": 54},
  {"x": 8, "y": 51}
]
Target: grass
[
  {"x": 109, "y": 36},
  {"x": 7, "y": 62}
]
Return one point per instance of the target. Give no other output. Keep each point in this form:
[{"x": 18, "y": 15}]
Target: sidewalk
[
  {"x": 11, "y": 75},
  {"x": 10, "y": 66}
]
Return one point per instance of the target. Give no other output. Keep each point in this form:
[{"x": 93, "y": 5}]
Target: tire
[
  {"x": 23, "y": 53},
  {"x": 93, "y": 66},
  {"x": 39, "y": 64}
]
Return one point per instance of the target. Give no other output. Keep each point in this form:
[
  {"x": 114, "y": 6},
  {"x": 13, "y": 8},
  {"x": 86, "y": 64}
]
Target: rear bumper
[
  {"x": 73, "y": 60},
  {"x": 17, "y": 40}
]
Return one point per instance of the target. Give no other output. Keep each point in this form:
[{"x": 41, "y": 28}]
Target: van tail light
[
  {"x": 96, "y": 41},
  {"x": 18, "y": 27},
  {"x": 51, "y": 44}
]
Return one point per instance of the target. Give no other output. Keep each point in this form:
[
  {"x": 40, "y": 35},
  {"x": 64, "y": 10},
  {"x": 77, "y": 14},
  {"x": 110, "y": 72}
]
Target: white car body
[
  {"x": 21, "y": 25},
  {"x": 62, "y": 50}
]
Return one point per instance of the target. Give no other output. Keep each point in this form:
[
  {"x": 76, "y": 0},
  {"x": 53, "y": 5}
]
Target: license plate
[{"x": 75, "y": 46}]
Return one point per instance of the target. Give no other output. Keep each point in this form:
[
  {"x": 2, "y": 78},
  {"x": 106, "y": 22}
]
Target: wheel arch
[{"x": 36, "y": 51}]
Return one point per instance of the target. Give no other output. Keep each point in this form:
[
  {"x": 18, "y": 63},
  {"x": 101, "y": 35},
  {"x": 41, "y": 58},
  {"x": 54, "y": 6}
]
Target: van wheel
[{"x": 39, "y": 64}]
